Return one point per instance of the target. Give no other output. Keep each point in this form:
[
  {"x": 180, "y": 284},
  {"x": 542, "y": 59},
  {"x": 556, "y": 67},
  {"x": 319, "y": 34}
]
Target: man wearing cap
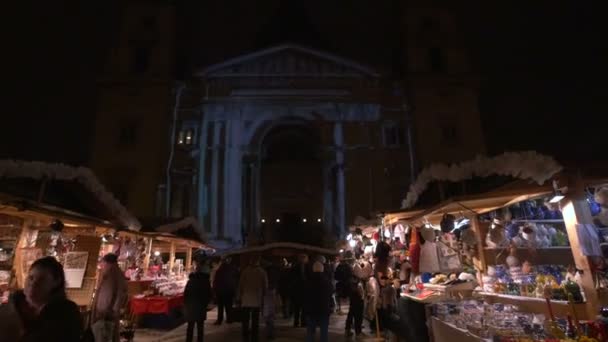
[{"x": 110, "y": 298}]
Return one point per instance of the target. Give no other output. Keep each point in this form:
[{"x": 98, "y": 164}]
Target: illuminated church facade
[{"x": 287, "y": 133}]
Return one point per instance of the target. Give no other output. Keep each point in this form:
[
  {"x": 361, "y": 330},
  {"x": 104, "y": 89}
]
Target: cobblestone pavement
[{"x": 232, "y": 332}]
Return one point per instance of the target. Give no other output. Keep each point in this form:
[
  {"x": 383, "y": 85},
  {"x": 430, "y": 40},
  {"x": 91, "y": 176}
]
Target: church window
[
  {"x": 189, "y": 137},
  {"x": 185, "y": 137},
  {"x": 436, "y": 59},
  {"x": 392, "y": 135},
  {"x": 181, "y": 137},
  {"x": 140, "y": 59}
]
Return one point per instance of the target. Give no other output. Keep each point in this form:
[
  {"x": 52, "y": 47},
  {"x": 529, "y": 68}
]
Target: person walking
[
  {"x": 343, "y": 277},
  {"x": 284, "y": 288},
  {"x": 272, "y": 269},
  {"x": 55, "y": 318},
  {"x": 388, "y": 303},
  {"x": 224, "y": 287},
  {"x": 299, "y": 274},
  {"x": 252, "y": 287},
  {"x": 354, "y": 319},
  {"x": 110, "y": 299},
  {"x": 197, "y": 296},
  {"x": 317, "y": 305}
]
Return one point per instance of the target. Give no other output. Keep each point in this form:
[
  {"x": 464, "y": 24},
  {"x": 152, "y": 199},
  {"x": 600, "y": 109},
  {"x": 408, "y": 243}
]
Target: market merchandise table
[
  {"x": 156, "y": 304},
  {"x": 443, "y": 332},
  {"x": 413, "y": 320}
]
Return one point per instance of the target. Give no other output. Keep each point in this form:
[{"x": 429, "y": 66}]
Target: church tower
[
  {"x": 442, "y": 86},
  {"x": 131, "y": 142}
]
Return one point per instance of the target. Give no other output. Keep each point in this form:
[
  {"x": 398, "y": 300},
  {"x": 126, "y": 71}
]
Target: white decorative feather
[
  {"x": 83, "y": 175},
  {"x": 524, "y": 165}
]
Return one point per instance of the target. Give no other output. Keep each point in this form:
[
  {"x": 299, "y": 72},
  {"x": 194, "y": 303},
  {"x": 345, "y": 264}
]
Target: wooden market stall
[
  {"x": 55, "y": 210},
  {"x": 158, "y": 266},
  {"x": 498, "y": 241}
]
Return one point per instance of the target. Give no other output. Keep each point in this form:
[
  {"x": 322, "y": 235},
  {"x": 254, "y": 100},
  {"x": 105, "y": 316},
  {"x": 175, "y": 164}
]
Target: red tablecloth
[{"x": 156, "y": 304}]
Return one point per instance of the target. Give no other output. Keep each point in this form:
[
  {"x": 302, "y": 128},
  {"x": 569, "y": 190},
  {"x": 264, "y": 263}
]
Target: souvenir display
[
  {"x": 169, "y": 287},
  {"x": 504, "y": 322}
]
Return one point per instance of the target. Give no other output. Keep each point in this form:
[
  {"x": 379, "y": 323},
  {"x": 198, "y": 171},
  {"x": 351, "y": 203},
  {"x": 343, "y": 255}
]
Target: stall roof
[
  {"x": 186, "y": 229},
  {"x": 61, "y": 190},
  {"x": 282, "y": 245},
  {"x": 478, "y": 204},
  {"x": 65, "y": 199}
]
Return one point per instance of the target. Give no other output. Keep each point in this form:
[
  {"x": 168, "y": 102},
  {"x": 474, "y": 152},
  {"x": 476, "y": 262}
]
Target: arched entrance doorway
[{"x": 291, "y": 183}]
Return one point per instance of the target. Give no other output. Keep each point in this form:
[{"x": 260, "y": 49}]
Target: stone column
[
  {"x": 254, "y": 220},
  {"x": 328, "y": 196},
  {"x": 340, "y": 186},
  {"x": 258, "y": 192},
  {"x": 233, "y": 182},
  {"x": 202, "y": 203},
  {"x": 577, "y": 213},
  {"x": 215, "y": 164}
]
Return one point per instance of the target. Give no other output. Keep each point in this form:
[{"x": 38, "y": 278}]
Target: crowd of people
[{"x": 305, "y": 290}]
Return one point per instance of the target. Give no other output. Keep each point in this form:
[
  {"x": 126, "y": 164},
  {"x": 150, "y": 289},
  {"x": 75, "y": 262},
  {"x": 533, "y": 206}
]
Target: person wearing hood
[
  {"x": 110, "y": 298},
  {"x": 197, "y": 295},
  {"x": 317, "y": 305}
]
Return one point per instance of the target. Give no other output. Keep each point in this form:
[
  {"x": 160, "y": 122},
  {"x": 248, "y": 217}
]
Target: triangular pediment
[{"x": 288, "y": 61}]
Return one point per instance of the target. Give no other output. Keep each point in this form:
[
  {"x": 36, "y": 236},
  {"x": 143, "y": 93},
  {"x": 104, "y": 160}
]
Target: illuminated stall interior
[{"x": 54, "y": 210}]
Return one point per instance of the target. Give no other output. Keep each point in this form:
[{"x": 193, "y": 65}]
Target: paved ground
[{"x": 232, "y": 332}]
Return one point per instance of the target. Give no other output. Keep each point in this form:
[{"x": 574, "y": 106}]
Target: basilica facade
[{"x": 286, "y": 135}]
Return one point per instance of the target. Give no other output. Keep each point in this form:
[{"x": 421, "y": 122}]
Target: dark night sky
[{"x": 543, "y": 67}]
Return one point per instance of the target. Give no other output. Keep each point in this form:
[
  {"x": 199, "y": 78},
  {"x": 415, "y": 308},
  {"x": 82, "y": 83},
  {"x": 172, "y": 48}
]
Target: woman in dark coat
[
  {"x": 317, "y": 303},
  {"x": 55, "y": 318},
  {"x": 196, "y": 299}
]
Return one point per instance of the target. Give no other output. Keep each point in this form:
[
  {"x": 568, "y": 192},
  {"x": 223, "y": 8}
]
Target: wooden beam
[
  {"x": 171, "y": 257},
  {"x": 479, "y": 237},
  {"x": 148, "y": 254},
  {"x": 188, "y": 259},
  {"x": 576, "y": 211}
]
